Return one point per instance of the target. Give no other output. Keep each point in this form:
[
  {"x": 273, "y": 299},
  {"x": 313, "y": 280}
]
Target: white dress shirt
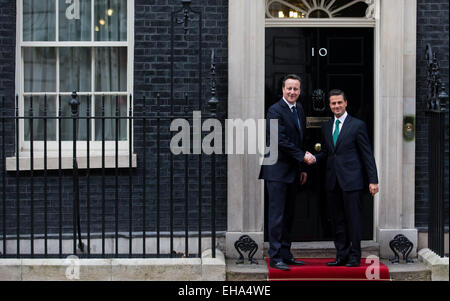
[
  {"x": 341, "y": 119},
  {"x": 289, "y": 104}
]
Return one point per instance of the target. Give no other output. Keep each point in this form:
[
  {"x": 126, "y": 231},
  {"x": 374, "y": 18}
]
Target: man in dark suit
[
  {"x": 283, "y": 176},
  {"x": 346, "y": 147}
]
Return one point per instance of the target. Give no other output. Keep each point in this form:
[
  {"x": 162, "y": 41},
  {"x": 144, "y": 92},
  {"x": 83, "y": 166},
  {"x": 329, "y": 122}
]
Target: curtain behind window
[
  {"x": 111, "y": 76},
  {"x": 39, "y": 20},
  {"x": 75, "y": 21},
  {"x": 111, "y": 20}
]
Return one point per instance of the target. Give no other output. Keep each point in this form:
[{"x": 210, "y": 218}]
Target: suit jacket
[
  {"x": 352, "y": 156},
  {"x": 290, "y": 140}
]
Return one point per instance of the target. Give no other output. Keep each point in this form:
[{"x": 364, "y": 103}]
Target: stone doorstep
[
  {"x": 161, "y": 269},
  {"x": 259, "y": 272},
  {"x": 325, "y": 249},
  {"x": 416, "y": 271},
  {"x": 437, "y": 265},
  {"x": 247, "y": 272}
]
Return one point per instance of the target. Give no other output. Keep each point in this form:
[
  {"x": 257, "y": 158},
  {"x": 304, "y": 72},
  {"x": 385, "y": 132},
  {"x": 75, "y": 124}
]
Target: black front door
[{"x": 325, "y": 59}]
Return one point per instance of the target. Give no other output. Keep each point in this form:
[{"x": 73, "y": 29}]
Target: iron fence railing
[
  {"x": 437, "y": 109},
  {"x": 158, "y": 205},
  {"x": 110, "y": 202}
]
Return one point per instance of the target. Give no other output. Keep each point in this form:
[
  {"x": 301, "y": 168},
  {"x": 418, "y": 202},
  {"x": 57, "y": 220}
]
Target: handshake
[{"x": 309, "y": 158}]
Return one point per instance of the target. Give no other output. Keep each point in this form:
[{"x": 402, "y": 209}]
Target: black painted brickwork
[
  {"x": 432, "y": 27},
  {"x": 7, "y": 47},
  {"x": 152, "y": 66},
  {"x": 151, "y": 76},
  {"x": 7, "y": 91}
]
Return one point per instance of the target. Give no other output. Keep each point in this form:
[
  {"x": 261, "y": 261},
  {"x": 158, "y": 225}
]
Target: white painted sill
[{"x": 95, "y": 161}]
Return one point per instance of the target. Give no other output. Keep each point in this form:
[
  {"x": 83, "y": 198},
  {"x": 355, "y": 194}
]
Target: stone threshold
[
  {"x": 416, "y": 271},
  {"x": 437, "y": 265},
  {"x": 326, "y": 249}
]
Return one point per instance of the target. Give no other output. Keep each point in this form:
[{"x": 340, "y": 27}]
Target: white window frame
[{"x": 66, "y": 146}]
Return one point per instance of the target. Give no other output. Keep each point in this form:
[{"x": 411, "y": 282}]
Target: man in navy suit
[
  {"x": 287, "y": 173},
  {"x": 346, "y": 147}
]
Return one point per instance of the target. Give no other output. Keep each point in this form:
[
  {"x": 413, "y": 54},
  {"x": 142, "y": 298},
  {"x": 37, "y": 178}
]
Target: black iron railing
[
  {"x": 125, "y": 194},
  {"x": 437, "y": 109},
  {"x": 110, "y": 210}
]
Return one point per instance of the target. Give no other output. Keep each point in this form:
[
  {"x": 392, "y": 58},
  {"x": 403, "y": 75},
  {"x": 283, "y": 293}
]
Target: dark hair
[
  {"x": 336, "y": 92},
  {"x": 291, "y": 76}
]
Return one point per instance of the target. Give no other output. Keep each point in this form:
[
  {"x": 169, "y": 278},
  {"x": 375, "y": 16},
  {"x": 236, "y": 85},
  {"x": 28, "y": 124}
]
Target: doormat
[{"x": 315, "y": 269}]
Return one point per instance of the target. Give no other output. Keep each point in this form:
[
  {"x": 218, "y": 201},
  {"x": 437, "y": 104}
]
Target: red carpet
[{"x": 315, "y": 269}]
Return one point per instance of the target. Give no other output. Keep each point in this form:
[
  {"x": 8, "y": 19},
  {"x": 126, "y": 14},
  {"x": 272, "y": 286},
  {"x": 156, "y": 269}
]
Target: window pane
[
  {"x": 110, "y": 20},
  {"x": 38, "y": 109},
  {"x": 67, "y": 124},
  {"x": 75, "y": 20},
  {"x": 39, "y": 20},
  {"x": 280, "y": 10},
  {"x": 39, "y": 69},
  {"x": 111, "y": 103},
  {"x": 111, "y": 69},
  {"x": 299, "y": 9},
  {"x": 339, "y": 9},
  {"x": 75, "y": 69}
]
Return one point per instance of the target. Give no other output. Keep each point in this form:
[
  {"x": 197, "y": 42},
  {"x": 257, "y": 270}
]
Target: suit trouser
[
  {"x": 345, "y": 207},
  {"x": 281, "y": 207}
]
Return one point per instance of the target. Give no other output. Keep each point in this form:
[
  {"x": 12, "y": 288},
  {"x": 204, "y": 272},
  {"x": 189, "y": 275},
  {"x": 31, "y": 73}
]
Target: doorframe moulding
[
  {"x": 342, "y": 22},
  {"x": 373, "y": 22}
]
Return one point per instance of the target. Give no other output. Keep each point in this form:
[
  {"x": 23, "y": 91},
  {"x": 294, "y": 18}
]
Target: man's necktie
[
  {"x": 336, "y": 132},
  {"x": 294, "y": 112}
]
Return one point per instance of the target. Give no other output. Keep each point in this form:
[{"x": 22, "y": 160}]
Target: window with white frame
[{"x": 81, "y": 45}]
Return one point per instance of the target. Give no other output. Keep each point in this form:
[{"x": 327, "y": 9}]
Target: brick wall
[
  {"x": 7, "y": 47},
  {"x": 432, "y": 27},
  {"x": 7, "y": 87},
  {"x": 153, "y": 75}
]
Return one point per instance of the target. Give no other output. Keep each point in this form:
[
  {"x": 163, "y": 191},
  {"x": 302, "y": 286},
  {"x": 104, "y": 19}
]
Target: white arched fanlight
[{"x": 304, "y": 9}]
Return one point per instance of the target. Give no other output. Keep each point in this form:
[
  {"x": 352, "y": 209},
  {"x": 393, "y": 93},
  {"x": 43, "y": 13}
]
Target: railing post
[
  {"x": 45, "y": 178},
  {"x": 437, "y": 108},
  {"x": 2, "y": 112},
  {"x": 74, "y": 103},
  {"x": 17, "y": 176},
  {"x": 212, "y": 103}
]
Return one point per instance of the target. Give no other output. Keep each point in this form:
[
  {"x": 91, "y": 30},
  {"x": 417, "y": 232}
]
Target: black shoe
[
  {"x": 279, "y": 265},
  {"x": 293, "y": 261},
  {"x": 336, "y": 263},
  {"x": 352, "y": 264}
]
